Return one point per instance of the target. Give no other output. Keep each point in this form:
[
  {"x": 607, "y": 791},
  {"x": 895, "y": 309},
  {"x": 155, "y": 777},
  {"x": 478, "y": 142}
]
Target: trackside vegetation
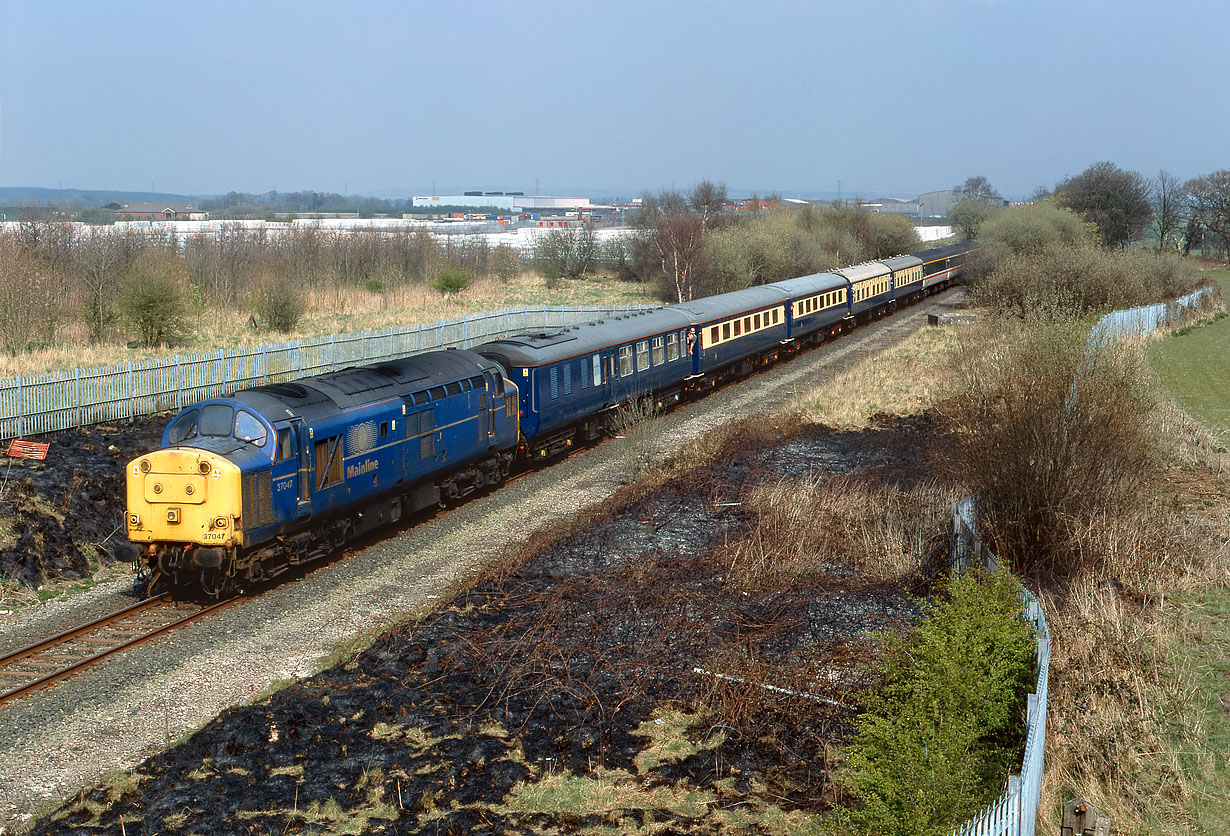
[
  {"x": 1111, "y": 503},
  {"x": 937, "y": 738}
]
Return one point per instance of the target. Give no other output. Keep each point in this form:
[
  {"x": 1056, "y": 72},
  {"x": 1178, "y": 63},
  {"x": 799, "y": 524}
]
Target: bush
[
  {"x": 505, "y": 263},
  {"x": 1076, "y": 279},
  {"x": 940, "y": 735},
  {"x": 451, "y": 279},
  {"x": 280, "y": 302},
  {"x": 1052, "y": 433},
  {"x": 153, "y": 301},
  {"x": 565, "y": 253},
  {"x": 1032, "y": 229}
]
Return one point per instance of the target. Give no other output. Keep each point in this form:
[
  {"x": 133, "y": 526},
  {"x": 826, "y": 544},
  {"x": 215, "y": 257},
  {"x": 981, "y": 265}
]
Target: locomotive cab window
[
  {"x": 597, "y": 369},
  {"x": 249, "y": 428},
  {"x": 184, "y": 427},
  {"x": 217, "y": 419}
]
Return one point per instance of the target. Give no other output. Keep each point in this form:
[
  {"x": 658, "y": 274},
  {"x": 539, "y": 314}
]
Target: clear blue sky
[{"x": 891, "y": 97}]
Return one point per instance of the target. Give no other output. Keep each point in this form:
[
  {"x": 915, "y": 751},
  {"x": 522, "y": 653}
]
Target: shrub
[
  {"x": 451, "y": 279},
  {"x": 940, "y": 735},
  {"x": 565, "y": 253},
  {"x": 1031, "y": 229},
  {"x": 1053, "y": 432},
  {"x": 1079, "y": 278},
  {"x": 505, "y": 263},
  {"x": 152, "y": 300},
  {"x": 280, "y": 302}
]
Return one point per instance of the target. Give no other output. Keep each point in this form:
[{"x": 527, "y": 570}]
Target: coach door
[{"x": 488, "y": 406}]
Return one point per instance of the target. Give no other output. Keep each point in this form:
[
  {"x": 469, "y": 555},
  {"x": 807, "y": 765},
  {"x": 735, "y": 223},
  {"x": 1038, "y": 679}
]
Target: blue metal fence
[{"x": 41, "y": 403}]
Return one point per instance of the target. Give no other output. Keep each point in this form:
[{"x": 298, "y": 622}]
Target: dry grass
[
  {"x": 807, "y": 528},
  {"x": 906, "y": 379},
  {"x": 1127, "y": 725},
  {"x": 335, "y": 310}
]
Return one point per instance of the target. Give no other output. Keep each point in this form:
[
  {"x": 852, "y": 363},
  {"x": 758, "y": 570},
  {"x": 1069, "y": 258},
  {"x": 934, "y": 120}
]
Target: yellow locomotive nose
[{"x": 182, "y": 495}]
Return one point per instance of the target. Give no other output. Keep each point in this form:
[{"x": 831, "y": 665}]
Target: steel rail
[{"x": 81, "y": 664}]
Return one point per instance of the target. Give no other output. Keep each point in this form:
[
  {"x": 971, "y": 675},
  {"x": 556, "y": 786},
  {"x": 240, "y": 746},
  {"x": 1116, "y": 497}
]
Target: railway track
[{"x": 57, "y": 657}]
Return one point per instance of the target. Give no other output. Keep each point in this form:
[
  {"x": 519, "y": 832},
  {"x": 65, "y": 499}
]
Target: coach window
[
  {"x": 713, "y": 335},
  {"x": 659, "y": 353},
  {"x": 597, "y": 369},
  {"x": 747, "y": 325},
  {"x": 642, "y": 355},
  {"x": 738, "y": 327},
  {"x": 672, "y": 347},
  {"x": 726, "y": 330},
  {"x": 625, "y": 360}
]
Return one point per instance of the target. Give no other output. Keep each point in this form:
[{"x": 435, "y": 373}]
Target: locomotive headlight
[
  {"x": 145, "y": 465},
  {"x": 134, "y": 520},
  {"x": 219, "y": 522}
]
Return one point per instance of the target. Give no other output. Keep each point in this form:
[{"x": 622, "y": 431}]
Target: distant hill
[{"x": 39, "y": 196}]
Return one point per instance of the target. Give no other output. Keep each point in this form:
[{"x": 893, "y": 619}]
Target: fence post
[
  {"x": 21, "y": 410},
  {"x": 131, "y": 390},
  {"x": 179, "y": 384},
  {"x": 264, "y": 363},
  {"x": 77, "y": 397}
]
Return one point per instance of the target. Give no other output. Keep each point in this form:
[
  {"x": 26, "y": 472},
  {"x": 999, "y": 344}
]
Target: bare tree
[
  {"x": 708, "y": 200},
  {"x": 1210, "y": 205},
  {"x": 100, "y": 269},
  {"x": 1113, "y": 200},
  {"x": 979, "y": 188},
  {"x": 1167, "y": 198}
]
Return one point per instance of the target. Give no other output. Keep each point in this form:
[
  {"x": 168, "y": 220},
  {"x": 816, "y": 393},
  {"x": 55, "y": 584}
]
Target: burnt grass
[
  {"x": 555, "y": 667},
  {"x": 62, "y": 518}
]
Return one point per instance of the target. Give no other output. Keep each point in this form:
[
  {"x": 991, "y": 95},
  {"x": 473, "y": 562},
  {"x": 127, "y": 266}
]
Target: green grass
[
  {"x": 1194, "y": 366},
  {"x": 1199, "y": 684}
]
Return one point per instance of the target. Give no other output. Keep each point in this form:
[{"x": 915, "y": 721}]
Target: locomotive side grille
[{"x": 257, "y": 499}]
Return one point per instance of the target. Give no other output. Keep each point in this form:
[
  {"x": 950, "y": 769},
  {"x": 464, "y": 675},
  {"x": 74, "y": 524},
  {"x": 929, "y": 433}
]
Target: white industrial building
[{"x": 505, "y": 202}]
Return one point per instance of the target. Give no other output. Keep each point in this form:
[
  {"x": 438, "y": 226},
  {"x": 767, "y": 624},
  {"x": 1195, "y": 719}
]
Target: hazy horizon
[{"x": 883, "y": 98}]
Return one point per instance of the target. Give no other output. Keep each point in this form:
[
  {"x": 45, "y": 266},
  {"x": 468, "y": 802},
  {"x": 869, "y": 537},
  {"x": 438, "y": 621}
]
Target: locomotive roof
[
  {"x": 360, "y": 385},
  {"x": 928, "y": 256}
]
